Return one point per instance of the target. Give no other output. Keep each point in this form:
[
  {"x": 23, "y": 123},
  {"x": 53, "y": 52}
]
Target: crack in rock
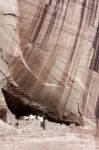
[
  {"x": 3, "y": 57},
  {"x": 10, "y": 14}
]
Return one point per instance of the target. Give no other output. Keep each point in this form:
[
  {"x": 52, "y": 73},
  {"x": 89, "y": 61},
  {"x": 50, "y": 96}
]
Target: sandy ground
[{"x": 30, "y": 136}]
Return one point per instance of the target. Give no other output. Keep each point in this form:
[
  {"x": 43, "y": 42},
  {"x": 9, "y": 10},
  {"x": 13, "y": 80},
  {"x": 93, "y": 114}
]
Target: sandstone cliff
[{"x": 50, "y": 58}]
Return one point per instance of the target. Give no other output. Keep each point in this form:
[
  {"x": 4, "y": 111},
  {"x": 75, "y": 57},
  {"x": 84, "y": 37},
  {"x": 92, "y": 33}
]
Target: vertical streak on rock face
[
  {"x": 40, "y": 24},
  {"x": 95, "y": 12},
  {"x": 64, "y": 17},
  {"x": 95, "y": 60},
  {"x": 91, "y": 6},
  {"x": 79, "y": 27},
  {"x": 52, "y": 21}
]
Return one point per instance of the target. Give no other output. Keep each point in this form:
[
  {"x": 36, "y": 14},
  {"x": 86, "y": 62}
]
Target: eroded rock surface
[{"x": 50, "y": 58}]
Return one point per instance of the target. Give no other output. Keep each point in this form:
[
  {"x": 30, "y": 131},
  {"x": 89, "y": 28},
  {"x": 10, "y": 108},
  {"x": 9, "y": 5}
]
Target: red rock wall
[{"x": 57, "y": 71}]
